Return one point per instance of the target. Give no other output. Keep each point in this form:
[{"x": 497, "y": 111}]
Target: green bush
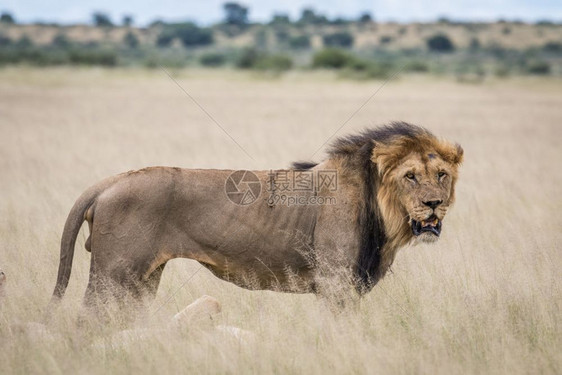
[
  {"x": 538, "y": 67},
  {"x": 192, "y": 35},
  {"x": 157, "y": 60},
  {"x": 299, "y": 42},
  {"x": 7, "y": 56},
  {"x": 261, "y": 38},
  {"x": 150, "y": 61},
  {"x": 212, "y": 59},
  {"x": 378, "y": 70},
  {"x": 416, "y": 66},
  {"x": 440, "y": 43},
  {"x": 130, "y": 40},
  {"x": 470, "y": 71},
  {"x": 247, "y": 59},
  {"x": 474, "y": 44},
  {"x": 277, "y": 63},
  {"x": 331, "y": 58},
  {"x": 358, "y": 65},
  {"x": 24, "y": 42},
  {"x": 253, "y": 59},
  {"x": 92, "y": 57},
  {"x": 358, "y": 68},
  {"x": 46, "y": 57},
  {"x": 497, "y": 51},
  {"x": 340, "y": 39},
  {"x": 552, "y": 47},
  {"x": 5, "y": 40},
  {"x": 60, "y": 41},
  {"x": 385, "y": 39},
  {"x": 351, "y": 66},
  {"x": 188, "y": 33},
  {"x": 25, "y": 52},
  {"x": 501, "y": 71},
  {"x": 33, "y": 55},
  {"x": 282, "y": 35},
  {"x": 165, "y": 38}
]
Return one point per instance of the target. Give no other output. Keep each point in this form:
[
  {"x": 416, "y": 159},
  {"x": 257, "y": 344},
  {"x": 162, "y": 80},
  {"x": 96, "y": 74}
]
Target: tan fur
[{"x": 141, "y": 219}]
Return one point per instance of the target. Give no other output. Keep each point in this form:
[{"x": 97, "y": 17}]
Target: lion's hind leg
[{"x": 124, "y": 282}]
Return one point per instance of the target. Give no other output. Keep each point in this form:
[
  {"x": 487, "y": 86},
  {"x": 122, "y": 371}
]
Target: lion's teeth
[{"x": 432, "y": 223}]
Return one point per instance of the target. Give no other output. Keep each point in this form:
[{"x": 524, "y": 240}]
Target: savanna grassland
[{"x": 485, "y": 299}]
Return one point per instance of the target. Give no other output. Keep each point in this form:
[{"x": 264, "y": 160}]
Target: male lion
[{"x": 394, "y": 186}]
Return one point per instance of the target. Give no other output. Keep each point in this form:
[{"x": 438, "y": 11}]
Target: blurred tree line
[{"x": 312, "y": 41}]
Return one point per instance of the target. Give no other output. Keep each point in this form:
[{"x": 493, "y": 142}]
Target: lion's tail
[{"x": 72, "y": 226}]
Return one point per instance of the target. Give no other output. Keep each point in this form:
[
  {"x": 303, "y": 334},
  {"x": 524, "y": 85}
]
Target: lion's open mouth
[{"x": 431, "y": 224}]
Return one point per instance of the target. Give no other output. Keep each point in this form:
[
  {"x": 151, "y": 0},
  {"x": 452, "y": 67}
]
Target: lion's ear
[
  {"x": 383, "y": 155},
  {"x": 453, "y": 153},
  {"x": 460, "y": 154}
]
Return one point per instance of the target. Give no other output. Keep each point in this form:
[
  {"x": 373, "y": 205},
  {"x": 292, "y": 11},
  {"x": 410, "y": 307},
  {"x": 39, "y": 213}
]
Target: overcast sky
[{"x": 209, "y": 11}]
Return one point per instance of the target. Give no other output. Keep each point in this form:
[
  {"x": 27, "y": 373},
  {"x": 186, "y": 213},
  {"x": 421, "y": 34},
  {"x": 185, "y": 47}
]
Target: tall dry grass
[{"x": 485, "y": 299}]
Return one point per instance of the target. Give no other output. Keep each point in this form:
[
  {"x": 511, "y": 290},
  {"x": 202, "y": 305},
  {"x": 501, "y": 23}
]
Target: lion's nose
[{"x": 432, "y": 204}]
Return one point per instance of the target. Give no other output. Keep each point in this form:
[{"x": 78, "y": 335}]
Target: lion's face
[
  {"x": 425, "y": 188},
  {"x": 418, "y": 185}
]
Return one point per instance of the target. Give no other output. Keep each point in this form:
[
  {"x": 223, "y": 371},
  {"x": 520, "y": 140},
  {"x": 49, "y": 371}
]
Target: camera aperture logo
[{"x": 242, "y": 187}]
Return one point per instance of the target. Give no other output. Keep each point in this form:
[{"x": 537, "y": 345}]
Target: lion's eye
[
  {"x": 441, "y": 174},
  {"x": 410, "y": 176}
]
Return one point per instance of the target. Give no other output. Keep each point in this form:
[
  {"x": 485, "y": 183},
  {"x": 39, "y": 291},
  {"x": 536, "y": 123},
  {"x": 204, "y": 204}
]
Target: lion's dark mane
[{"x": 356, "y": 150}]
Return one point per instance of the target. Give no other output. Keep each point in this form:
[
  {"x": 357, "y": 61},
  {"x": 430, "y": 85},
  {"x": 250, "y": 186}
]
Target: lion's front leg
[{"x": 335, "y": 287}]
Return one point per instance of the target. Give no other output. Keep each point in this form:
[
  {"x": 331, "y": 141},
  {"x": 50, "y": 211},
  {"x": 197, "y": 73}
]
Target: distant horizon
[
  {"x": 118, "y": 21},
  {"x": 66, "y": 12}
]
